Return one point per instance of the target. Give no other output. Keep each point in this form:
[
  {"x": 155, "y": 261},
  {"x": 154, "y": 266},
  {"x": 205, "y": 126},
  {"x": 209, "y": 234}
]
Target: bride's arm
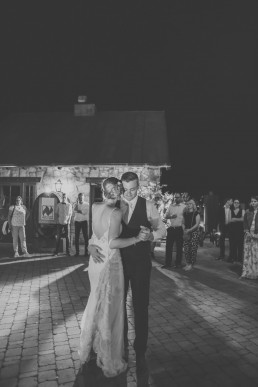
[
  {"x": 114, "y": 230},
  {"x": 94, "y": 250}
]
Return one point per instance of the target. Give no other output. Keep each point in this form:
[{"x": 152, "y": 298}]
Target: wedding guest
[
  {"x": 191, "y": 221},
  {"x": 236, "y": 235},
  {"x": 174, "y": 215},
  {"x": 250, "y": 262},
  {"x": 224, "y": 215},
  {"x": 17, "y": 217},
  {"x": 81, "y": 217},
  {"x": 64, "y": 214}
]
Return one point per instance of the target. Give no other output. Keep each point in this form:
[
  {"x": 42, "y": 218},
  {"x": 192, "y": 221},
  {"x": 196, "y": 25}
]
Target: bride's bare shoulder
[
  {"x": 116, "y": 213},
  {"x": 97, "y": 205}
]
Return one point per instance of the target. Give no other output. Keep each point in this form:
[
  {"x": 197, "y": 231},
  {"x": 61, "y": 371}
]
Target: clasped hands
[
  {"x": 144, "y": 234},
  {"x": 96, "y": 252}
]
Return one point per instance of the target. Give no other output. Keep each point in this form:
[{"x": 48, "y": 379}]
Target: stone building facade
[
  {"x": 45, "y": 154},
  {"x": 74, "y": 180}
]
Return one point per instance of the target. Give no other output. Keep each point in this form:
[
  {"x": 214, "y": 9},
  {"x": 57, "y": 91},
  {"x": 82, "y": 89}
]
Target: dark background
[{"x": 195, "y": 60}]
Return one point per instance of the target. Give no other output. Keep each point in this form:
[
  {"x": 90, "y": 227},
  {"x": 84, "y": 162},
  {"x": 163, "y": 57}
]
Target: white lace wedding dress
[{"x": 102, "y": 325}]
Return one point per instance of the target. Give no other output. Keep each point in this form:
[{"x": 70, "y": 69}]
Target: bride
[{"x": 102, "y": 325}]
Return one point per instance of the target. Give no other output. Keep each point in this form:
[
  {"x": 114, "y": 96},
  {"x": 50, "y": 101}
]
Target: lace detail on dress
[{"x": 103, "y": 319}]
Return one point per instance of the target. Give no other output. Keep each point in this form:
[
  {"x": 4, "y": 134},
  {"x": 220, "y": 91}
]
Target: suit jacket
[
  {"x": 248, "y": 219},
  {"x": 211, "y": 208},
  {"x": 222, "y": 219}
]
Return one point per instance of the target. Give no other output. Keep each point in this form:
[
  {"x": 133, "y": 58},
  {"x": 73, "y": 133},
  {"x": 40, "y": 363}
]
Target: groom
[{"x": 136, "y": 259}]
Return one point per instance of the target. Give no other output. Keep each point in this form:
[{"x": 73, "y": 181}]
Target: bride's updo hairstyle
[{"x": 110, "y": 181}]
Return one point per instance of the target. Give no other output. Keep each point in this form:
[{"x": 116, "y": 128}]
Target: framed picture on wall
[{"x": 47, "y": 208}]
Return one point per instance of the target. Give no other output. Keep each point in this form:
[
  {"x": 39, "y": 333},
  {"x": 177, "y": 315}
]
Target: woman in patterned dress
[
  {"x": 191, "y": 221},
  {"x": 250, "y": 262}
]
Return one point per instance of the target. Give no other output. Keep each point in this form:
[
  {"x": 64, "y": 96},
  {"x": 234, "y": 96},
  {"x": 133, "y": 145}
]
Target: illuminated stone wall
[{"x": 73, "y": 178}]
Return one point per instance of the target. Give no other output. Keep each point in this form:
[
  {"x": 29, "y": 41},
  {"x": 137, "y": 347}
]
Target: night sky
[{"x": 193, "y": 59}]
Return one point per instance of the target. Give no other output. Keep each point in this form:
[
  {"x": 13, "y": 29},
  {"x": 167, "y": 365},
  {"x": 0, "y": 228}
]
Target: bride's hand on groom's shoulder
[{"x": 96, "y": 253}]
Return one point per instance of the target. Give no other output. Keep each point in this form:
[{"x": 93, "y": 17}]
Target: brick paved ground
[{"x": 203, "y": 325}]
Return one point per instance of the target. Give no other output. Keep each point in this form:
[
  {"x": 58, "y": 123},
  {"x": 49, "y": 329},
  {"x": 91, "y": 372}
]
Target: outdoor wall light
[{"x": 58, "y": 185}]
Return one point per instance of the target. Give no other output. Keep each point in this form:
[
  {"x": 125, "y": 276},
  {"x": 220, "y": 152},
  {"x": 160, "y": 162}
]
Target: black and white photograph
[{"x": 128, "y": 194}]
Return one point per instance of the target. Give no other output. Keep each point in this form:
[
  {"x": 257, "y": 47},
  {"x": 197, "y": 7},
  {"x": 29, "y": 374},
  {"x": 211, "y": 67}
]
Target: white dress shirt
[
  {"x": 84, "y": 215},
  {"x": 175, "y": 209}
]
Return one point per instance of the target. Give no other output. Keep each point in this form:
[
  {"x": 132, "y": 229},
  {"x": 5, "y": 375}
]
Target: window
[
  {"x": 29, "y": 196},
  {"x": 9, "y": 193},
  {"x": 10, "y": 188}
]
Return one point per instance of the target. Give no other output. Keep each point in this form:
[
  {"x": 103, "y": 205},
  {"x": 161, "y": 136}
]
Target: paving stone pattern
[{"x": 203, "y": 327}]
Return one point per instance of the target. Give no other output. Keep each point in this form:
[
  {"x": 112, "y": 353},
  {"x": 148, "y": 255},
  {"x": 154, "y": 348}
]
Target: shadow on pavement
[
  {"x": 61, "y": 290},
  {"x": 92, "y": 376},
  {"x": 45, "y": 298},
  {"x": 201, "y": 334}
]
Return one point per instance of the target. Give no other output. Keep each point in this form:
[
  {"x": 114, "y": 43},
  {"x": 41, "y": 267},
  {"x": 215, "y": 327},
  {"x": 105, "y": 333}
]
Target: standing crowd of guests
[
  {"x": 236, "y": 224},
  {"x": 183, "y": 231},
  {"x": 241, "y": 229},
  {"x": 231, "y": 226},
  {"x": 18, "y": 216},
  {"x": 64, "y": 212}
]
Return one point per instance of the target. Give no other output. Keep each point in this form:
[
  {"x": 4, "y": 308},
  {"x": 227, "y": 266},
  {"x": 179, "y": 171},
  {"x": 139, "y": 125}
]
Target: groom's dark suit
[{"x": 137, "y": 269}]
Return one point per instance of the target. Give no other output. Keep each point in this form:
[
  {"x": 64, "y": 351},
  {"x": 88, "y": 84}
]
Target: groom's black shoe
[{"x": 142, "y": 371}]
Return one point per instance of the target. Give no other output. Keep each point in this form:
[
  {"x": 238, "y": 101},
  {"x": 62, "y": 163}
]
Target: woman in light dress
[
  {"x": 250, "y": 262},
  {"x": 102, "y": 325}
]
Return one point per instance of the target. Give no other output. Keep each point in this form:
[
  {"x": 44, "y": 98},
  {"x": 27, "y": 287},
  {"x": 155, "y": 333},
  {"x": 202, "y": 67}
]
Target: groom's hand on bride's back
[{"x": 96, "y": 253}]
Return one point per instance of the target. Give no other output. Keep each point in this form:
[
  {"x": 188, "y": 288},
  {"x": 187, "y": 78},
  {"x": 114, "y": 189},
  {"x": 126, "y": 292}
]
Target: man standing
[
  {"x": 64, "y": 214},
  {"x": 174, "y": 232},
  {"x": 138, "y": 213},
  {"x": 224, "y": 218},
  {"x": 81, "y": 211}
]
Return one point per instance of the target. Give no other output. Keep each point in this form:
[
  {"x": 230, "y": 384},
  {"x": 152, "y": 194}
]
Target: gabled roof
[{"x": 114, "y": 137}]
